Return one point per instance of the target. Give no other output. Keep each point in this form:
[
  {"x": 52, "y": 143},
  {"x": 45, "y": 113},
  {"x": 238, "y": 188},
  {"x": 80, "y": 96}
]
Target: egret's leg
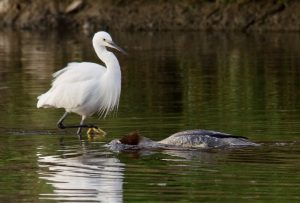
[
  {"x": 61, "y": 120},
  {"x": 80, "y": 127}
]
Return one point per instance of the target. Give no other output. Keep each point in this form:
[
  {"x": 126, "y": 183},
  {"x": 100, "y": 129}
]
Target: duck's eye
[{"x": 104, "y": 40}]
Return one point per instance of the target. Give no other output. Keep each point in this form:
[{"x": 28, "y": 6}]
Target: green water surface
[{"x": 240, "y": 84}]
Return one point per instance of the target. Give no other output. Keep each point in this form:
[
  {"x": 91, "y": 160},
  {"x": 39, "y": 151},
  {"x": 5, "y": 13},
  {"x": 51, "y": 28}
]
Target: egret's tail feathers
[{"x": 42, "y": 101}]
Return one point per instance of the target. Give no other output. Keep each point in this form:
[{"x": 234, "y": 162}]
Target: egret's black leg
[
  {"x": 82, "y": 125},
  {"x": 62, "y": 126},
  {"x": 80, "y": 128},
  {"x": 61, "y": 120}
]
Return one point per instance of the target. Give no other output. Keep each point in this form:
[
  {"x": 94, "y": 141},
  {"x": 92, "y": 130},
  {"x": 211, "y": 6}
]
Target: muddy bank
[{"x": 89, "y": 15}]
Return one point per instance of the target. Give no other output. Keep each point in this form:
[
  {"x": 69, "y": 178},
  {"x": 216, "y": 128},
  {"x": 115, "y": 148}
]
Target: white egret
[{"x": 86, "y": 88}]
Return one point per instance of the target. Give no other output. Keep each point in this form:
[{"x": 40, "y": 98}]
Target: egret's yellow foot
[
  {"x": 98, "y": 131},
  {"x": 95, "y": 133}
]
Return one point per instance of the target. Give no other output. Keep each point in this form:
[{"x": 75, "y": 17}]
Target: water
[{"x": 241, "y": 84}]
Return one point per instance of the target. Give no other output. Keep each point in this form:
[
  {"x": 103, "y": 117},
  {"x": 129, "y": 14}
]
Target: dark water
[{"x": 241, "y": 84}]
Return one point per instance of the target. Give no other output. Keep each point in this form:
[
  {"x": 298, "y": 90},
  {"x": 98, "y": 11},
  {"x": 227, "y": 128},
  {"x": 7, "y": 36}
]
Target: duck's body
[
  {"x": 205, "y": 139},
  {"x": 190, "y": 139}
]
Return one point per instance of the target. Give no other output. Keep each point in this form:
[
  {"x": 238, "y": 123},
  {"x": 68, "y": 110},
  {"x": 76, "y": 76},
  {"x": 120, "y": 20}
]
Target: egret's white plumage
[{"x": 86, "y": 88}]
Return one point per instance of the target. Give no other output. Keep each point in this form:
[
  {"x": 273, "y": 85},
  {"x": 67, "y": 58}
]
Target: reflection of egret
[
  {"x": 91, "y": 177},
  {"x": 86, "y": 88}
]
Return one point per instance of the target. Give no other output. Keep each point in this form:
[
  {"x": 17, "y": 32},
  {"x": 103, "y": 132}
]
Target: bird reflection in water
[{"x": 90, "y": 176}]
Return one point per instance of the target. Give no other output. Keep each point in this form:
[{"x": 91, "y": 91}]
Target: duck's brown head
[{"x": 132, "y": 138}]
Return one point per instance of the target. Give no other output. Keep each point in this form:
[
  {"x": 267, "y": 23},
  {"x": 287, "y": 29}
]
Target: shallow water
[{"x": 241, "y": 84}]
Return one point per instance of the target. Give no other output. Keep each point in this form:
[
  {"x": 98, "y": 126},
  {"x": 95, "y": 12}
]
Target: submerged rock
[{"x": 190, "y": 139}]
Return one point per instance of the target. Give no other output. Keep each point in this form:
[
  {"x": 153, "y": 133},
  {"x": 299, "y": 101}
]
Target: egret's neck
[{"x": 110, "y": 60}]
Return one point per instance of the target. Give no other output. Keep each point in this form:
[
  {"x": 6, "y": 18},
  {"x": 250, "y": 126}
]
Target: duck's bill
[{"x": 115, "y": 46}]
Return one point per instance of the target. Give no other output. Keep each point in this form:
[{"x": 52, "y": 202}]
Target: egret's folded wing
[{"x": 76, "y": 72}]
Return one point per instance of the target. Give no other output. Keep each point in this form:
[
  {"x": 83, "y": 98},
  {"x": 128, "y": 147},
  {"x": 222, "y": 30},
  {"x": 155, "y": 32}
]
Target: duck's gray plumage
[
  {"x": 188, "y": 139},
  {"x": 206, "y": 139}
]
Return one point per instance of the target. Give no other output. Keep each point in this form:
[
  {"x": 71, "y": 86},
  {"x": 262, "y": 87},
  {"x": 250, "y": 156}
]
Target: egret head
[{"x": 104, "y": 39}]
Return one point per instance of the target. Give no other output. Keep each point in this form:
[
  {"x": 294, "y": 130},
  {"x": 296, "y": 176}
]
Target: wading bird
[{"x": 86, "y": 88}]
